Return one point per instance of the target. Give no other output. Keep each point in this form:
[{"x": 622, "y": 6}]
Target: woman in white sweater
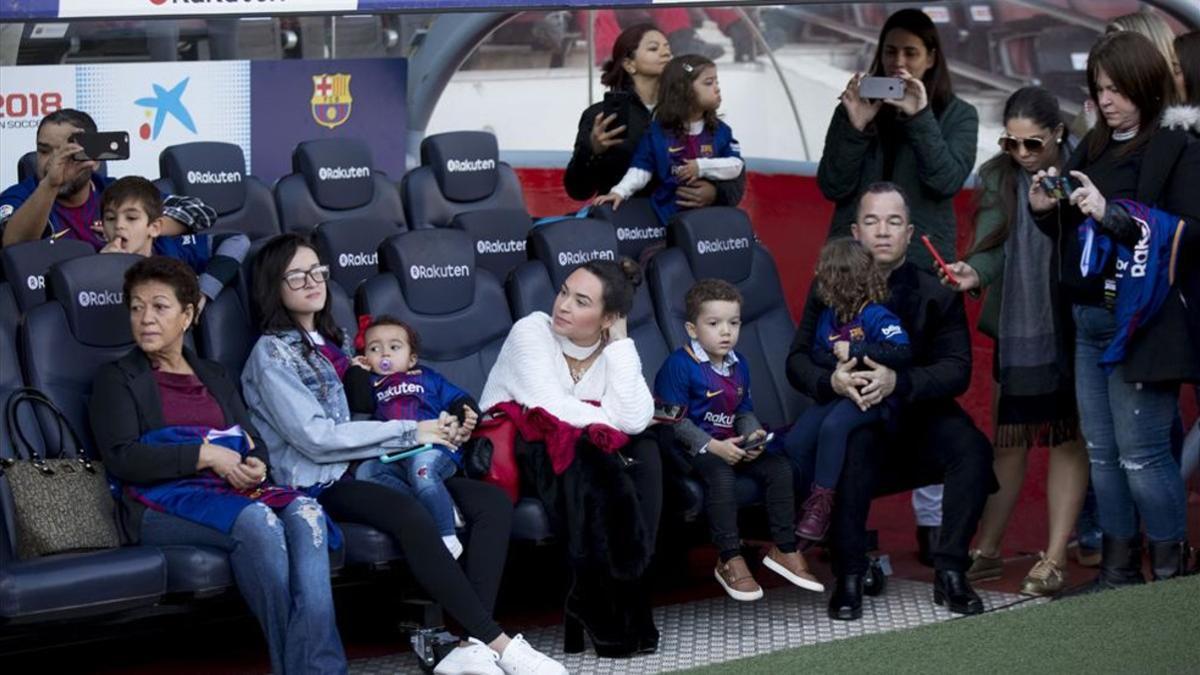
[{"x": 579, "y": 365}]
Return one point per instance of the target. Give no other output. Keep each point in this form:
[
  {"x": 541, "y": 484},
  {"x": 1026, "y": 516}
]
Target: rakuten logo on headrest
[
  {"x": 213, "y": 177},
  {"x": 439, "y": 271},
  {"x": 579, "y": 257},
  {"x": 343, "y": 172},
  {"x": 100, "y": 298},
  {"x": 470, "y": 165},
  {"x": 706, "y": 246},
  {"x": 35, "y": 281},
  {"x": 637, "y": 233},
  {"x": 500, "y": 246},
  {"x": 358, "y": 259}
]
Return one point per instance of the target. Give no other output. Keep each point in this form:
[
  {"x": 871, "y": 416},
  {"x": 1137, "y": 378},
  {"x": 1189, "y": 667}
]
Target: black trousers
[
  {"x": 935, "y": 442},
  {"x": 772, "y": 472},
  {"x": 467, "y": 595}
]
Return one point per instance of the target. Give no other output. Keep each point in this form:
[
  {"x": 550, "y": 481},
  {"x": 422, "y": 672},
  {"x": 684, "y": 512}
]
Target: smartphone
[
  {"x": 760, "y": 442},
  {"x": 101, "y": 146},
  {"x": 1058, "y": 187},
  {"x": 668, "y": 413},
  {"x": 389, "y": 457},
  {"x": 619, "y": 103},
  {"x": 938, "y": 257},
  {"x": 881, "y": 88}
]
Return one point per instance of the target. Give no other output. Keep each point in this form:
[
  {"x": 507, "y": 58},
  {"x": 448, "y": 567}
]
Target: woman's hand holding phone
[
  {"x": 966, "y": 276},
  {"x": 1041, "y": 201},
  {"x": 860, "y": 111},
  {"x": 602, "y": 137},
  {"x": 915, "y": 97}
]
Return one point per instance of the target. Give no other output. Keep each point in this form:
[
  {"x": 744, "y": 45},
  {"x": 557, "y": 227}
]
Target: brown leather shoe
[
  {"x": 734, "y": 576},
  {"x": 791, "y": 566}
]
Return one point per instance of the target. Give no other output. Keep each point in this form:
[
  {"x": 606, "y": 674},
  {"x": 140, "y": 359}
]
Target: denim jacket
[{"x": 299, "y": 407}]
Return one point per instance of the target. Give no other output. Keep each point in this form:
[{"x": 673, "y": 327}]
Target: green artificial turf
[{"x": 1151, "y": 629}]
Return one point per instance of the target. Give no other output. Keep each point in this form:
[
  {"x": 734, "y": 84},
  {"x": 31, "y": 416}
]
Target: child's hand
[
  {"x": 687, "y": 172},
  {"x": 470, "y": 419},
  {"x": 361, "y": 362},
  {"x": 841, "y": 349},
  {"x": 610, "y": 198},
  {"x": 255, "y": 469},
  {"x": 117, "y": 245},
  {"x": 431, "y": 432},
  {"x": 728, "y": 450}
]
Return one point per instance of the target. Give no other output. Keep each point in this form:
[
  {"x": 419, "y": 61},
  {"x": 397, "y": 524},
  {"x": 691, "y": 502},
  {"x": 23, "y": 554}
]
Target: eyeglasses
[
  {"x": 296, "y": 279},
  {"x": 1032, "y": 145}
]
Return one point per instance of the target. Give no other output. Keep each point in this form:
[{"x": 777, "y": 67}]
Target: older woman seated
[{"x": 174, "y": 432}]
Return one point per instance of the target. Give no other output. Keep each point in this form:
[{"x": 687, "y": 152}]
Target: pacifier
[{"x": 385, "y": 365}]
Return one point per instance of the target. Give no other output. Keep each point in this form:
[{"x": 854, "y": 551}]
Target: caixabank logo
[
  {"x": 331, "y": 100},
  {"x": 163, "y": 105}
]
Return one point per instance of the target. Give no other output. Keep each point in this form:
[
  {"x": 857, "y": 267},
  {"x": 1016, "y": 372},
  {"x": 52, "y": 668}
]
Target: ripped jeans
[
  {"x": 280, "y": 563},
  {"x": 1127, "y": 427},
  {"x": 422, "y": 476}
]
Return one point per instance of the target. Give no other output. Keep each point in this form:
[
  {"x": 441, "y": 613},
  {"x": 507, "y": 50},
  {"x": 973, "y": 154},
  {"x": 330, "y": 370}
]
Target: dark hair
[
  {"x": 709, "y": 290},
  {"x": 620, "y": 279},
  {"x": 1040, "y": 107},
  {"x": 71, "y": 116},
  {"x": 1140, "y": 72},
  {"x": 1187, "y": 48},
  {"x": 135, "y": 189},
  {"x": 414, "y": 340},
  {"x": 848, "y": 278},
  {"x": 170, "y": 271},
  {"x": 677, "y": 98},
  {"x": 880, "y": 188},
  {"x": 270, "y": 264},
  {"x": 614, "y": 76},
  {"x": 937, "y": 77}
]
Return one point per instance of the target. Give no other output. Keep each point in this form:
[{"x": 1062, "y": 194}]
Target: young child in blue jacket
[{"x": 685, "y": 142}]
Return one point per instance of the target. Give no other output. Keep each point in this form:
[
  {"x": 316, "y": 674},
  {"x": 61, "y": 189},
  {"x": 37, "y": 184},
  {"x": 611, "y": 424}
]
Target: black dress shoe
[
  {"x": 952, "y": 590},
  {"x": 926, "y": 540},
  {"x": 874, "y": 580},
  {"x": 846, "y": 602}
]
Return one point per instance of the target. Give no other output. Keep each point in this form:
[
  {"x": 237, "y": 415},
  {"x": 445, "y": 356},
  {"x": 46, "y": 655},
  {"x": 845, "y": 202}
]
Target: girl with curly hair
[
  {"x": 686, "y": 141},
  {"x": 853, "y": 326}
]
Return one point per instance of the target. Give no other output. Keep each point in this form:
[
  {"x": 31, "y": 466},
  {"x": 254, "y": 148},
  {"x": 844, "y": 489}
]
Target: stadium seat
[
  {"x": 83, "y": 325},
  {"x": 555, "y": 250},
  {"x": 333, "y": 179},
  {"x": 351, "y": 248},
  {"x": 636, "y": 223},
  {"x": 460, "y": 171},
  {"x": 225, "y": 333},
  {"x": 25, "y": 266},
  {"x": 216, "y": 173},
  {"x": 432, "y": 283},
  {"x": 499, "y": 236},
  {"x": 718, "y": 242}
]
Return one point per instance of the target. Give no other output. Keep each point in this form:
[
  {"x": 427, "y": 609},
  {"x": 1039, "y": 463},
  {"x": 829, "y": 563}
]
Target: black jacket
[
  {"x": 589, "y": 175},
  {"x": 125, "y": 405},
  {"x": 1165, "y": 173},
  {"x": 936, "y": 323}
]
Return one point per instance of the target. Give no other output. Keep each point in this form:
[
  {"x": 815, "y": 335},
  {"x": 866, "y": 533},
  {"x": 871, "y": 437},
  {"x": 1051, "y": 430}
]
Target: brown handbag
[{"x": 61, "y": 504}]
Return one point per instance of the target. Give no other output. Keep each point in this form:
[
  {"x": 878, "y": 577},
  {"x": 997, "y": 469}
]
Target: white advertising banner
[
  {"x": 27, "y": 94},
  {"x": 85, "y": 8}
]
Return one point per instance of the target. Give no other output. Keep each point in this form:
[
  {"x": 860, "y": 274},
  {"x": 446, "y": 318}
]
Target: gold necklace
[{"x": 579, "y": 367}]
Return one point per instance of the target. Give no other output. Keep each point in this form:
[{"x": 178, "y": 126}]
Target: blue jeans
[
  {"x": 817, "y": 442},
  {"x": 421, "y": 476},
  {"x": 281, "y": 565},
  {"x": 1127, "y": 426}
]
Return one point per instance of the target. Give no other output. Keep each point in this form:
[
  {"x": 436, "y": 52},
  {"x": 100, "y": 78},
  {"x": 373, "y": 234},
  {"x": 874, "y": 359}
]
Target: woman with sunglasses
[
  {"x": 1034, "y": 401},
  {"x": 1128, "y": 407},
  {"x": 292, "y": 383}
]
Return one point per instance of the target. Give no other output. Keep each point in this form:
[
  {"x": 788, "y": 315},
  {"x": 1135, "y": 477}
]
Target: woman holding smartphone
[
  {"x": 609, "y": 131},
  {"x": 924, "y": 141}
]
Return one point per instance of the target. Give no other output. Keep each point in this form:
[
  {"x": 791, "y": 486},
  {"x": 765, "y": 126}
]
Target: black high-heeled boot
[
  {"x": 1120, "y": 566},
  {"x": 1169, "y": 559},
  {"x": 596, "y": 608},
  {"x": 641, "y": 615}
]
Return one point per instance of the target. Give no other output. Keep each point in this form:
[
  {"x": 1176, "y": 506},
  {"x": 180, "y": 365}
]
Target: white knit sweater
[{"x": 531, "y": 370}]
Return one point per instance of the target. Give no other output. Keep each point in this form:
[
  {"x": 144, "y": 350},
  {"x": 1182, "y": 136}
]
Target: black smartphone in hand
[
  {"x": 760, "y": 442},
  {"x": 618, "y": 103},
  {"x": 101, "y": 146}
]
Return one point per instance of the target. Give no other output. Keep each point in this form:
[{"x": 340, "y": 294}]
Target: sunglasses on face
[
  {"x": 296, "y": 279},
  {"x": 1032, "y": 145}
]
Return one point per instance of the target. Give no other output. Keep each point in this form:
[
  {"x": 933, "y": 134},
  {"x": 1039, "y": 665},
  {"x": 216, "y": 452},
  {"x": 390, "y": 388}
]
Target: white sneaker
[
  {"x": 473, "y": 658},
  {"x": 453, "y": 545},
  {"x": 520, "y": 658}
]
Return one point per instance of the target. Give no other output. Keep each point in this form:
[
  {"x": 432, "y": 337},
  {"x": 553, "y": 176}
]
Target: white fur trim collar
[{"x": 1182, "y": 117}]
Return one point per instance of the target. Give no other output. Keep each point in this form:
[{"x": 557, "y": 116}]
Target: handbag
[{"x": 60, "y": 504}]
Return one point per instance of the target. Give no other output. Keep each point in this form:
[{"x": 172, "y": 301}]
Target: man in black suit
[{"x": 935, "y": 441}]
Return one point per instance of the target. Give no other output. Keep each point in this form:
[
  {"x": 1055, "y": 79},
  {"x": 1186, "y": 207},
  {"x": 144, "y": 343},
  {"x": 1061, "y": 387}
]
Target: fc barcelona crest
[{"x": 331, "y": 99}]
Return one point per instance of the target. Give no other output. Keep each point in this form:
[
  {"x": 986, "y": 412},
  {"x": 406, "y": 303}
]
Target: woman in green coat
[
  {"x": 923, "y": 142},
  {"x": 1035, "y": 402}
]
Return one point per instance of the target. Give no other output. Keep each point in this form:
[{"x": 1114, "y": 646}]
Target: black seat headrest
[
  {"x": 564, "y": 245},
  {"x": 499, "y": 235},
  {"x": 637, "y": 225},
  {"x": 463, "y": 162},
  {"x": 337, "y": 171},
  {"x": 718, "y": 242},
  {"x": 213, "y": 172},
  {"x": 351, "y": 246},
  {"x": 90, "y": 292},
  {"x": 435, "y": 268},
  {"x": 25, "y": 266}
]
